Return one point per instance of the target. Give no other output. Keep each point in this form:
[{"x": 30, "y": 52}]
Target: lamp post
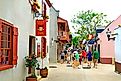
[{"x": 108, "y": 34}]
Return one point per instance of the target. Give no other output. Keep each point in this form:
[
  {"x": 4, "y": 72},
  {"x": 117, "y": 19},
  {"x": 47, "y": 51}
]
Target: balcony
[{"x": 63, "y": 36}]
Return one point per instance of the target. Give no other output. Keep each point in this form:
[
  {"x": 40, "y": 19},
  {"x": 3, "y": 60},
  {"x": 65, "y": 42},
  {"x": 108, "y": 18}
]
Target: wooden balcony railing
[{"x": 63, "y": 36}]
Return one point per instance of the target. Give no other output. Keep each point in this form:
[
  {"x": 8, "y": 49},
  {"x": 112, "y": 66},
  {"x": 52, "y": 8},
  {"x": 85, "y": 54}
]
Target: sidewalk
[{"x": 104, "y": 72}]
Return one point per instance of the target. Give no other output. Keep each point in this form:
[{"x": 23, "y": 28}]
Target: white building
[
  {"x": 117, "y": 49},
  {"x": 53, "y": 33}
]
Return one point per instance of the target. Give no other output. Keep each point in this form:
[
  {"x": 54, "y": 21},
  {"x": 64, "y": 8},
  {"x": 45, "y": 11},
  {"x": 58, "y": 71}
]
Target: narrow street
[
  {"x": 104, "y": 72},
  {"x": 36, "y": 36}
]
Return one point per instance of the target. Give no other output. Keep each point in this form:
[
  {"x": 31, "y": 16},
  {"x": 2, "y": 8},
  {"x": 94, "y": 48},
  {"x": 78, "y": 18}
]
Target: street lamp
[
  {"x": 108, "y": 34},
  {"x": 111, "y": 35},
  {"x": 37, "y": 14}
]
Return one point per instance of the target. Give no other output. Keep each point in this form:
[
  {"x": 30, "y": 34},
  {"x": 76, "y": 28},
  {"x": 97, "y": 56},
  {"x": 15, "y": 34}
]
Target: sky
[{"x": 69, "y": 8}]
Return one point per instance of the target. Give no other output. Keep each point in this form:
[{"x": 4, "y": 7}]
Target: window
[
  {"x": 62, "y": 26},
  {"x": 60, "y": 33},
  {"x": 8, "y": 41}
]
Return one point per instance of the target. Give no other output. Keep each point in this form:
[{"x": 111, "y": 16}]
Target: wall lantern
[
  {"x": 58, "y": 36},
  {"x": 110, "y": 35},
  {"x": 37, "y": 14},
  {"x": 54, "y": 40},
  {"x": 57, "y": 41}
]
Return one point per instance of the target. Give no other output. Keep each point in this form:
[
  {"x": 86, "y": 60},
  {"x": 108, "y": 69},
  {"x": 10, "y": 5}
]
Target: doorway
[{"x": 31, "y": 45}]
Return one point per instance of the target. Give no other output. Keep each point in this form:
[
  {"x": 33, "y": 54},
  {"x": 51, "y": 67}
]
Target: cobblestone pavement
[{"x": 104, "y": 72}]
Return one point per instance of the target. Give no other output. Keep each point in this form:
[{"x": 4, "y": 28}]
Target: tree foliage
[
  {"x": 86, "y": 22},
  {"x": 75, "y": 40}
]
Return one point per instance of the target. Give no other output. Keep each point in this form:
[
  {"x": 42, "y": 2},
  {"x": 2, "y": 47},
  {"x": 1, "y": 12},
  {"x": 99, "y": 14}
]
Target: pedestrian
[
  {"x": 62, "y": 57},
  {"x": 77, "y": 56},
  {"x": 89, "y": 57},
  {"x": 84, "y": 55},
  {"x": 95, "y": 58},
  {"x": 68, "y": 56},
  {"x": 68, "y": 59},
  {"x": 65, "y": 57},
  {"x": 73, "y": 55},
  {"x": 80, "y": 59}
]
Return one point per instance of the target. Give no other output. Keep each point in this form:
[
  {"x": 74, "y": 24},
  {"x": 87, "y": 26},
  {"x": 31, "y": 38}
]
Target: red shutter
[
  {"x": 15, "y": 45},
  {"x": 43, "y": 47},
  {"x": 38, "y": 49},
  {"x": 44, "y": 13},
  {"x": 0, "y": 38}
]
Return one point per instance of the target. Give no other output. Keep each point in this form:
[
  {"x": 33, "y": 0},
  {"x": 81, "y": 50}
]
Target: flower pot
[
  {"x": 43, "y": 73},
  {"x": 31, "y": 79}
]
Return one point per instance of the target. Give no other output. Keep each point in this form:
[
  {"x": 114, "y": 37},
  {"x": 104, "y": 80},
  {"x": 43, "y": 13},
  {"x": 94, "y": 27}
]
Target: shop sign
[{"x": 40, "y": 27}]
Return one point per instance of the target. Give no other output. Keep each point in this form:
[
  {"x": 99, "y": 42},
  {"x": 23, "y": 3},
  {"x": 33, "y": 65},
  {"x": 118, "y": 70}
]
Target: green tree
[
  {"x": 75, "y": 40},
  {"x": 86, "y": 22}
]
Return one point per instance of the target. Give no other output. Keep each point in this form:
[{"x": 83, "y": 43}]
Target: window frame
[{"x": 11, "y": 56}]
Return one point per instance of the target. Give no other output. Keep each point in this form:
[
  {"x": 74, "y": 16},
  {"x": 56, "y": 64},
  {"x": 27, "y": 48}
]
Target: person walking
[
  {"x": 77, "y": 56},
  {"x": 89, "y": 57},
  {"x": 68, "y": 58},
  {"x": 80, "y": 59},
  {"x": 95, "y": 58},
  {"x": 65, "y": 58},
  {"x": 76, "y": 63},
  {"x": 84, "y": 55},
  {"x": 62, "y": 57}
]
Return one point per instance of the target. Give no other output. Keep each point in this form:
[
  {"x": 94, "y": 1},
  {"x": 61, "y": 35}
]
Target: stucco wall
[
  {"x": 118, "y": 45},
  {"x": 107, "y": 47},
  {"x": 45, "y": 62},
  {"x": 46, "y": 59},
  {"x": 53, "y": 32},
  {"x": 18, "y": 12}
]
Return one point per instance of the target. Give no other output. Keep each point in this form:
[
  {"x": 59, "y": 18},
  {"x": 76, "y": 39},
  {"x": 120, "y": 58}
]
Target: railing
[{"x": 63, "y": 36}]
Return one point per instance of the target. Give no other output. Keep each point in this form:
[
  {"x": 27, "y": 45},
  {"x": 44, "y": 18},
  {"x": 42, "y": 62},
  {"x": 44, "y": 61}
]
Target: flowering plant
[{"x": 31, "y": 61}]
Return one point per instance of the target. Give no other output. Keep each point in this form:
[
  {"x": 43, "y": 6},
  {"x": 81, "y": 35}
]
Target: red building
[{"x": 63, "y": 34}]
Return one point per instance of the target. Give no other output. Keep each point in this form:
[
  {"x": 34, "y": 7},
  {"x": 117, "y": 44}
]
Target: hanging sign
[{"x": 40, "y": 27}]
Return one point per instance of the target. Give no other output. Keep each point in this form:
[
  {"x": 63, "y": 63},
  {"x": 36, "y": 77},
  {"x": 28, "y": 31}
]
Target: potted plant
[
  {"x": 31, "y": 62},
  {"x": 43, "y": 71},
  {"x": 38, "y": 69}
]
